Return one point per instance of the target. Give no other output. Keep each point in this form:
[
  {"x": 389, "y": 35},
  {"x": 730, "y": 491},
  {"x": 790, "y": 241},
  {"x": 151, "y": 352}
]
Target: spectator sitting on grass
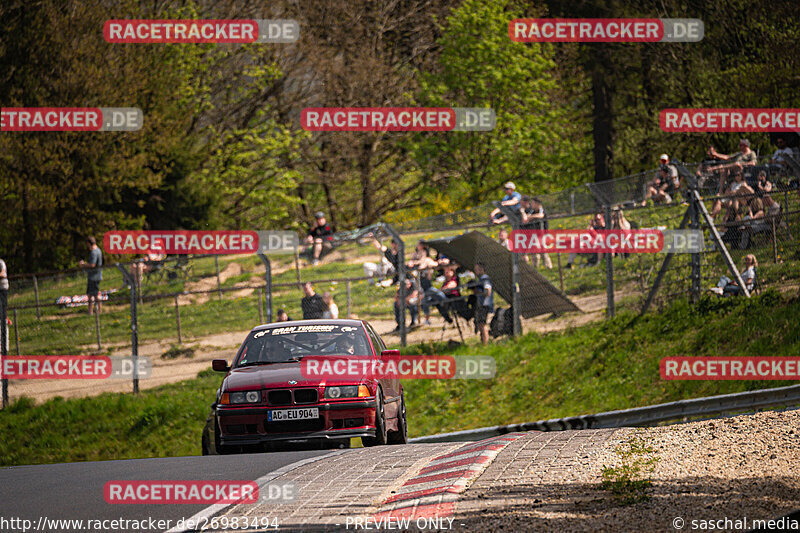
[
  {"x": 320, "y": 234},
  {"x": 511, "y": 198},
  {"x": 437, "y": 297},
  {"x": 744, "y": 157},
  {"x": 420, "y": 253},
  {"x": 778, "y": 158},
  {"x": 738, "y": 187},
  {"x": 312, "y": 304},
  {"x": 754, "y": 222},
  {"x": 731, "y": 226},
  {"x": 763, "y": 185},
  {"x": 658, "y": 188},
  {"x": 331, "y": 309},
  {"x": 729, "y": 287}
]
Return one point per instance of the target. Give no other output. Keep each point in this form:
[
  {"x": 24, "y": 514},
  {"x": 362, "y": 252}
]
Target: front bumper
[{"x": 341, "y": 420}]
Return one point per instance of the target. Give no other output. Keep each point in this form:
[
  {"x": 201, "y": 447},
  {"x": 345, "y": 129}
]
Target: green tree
[{"x": 535, "y": 142}]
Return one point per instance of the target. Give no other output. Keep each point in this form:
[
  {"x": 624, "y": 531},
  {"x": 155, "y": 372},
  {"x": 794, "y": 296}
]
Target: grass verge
[{"x": 593, "y": 368}]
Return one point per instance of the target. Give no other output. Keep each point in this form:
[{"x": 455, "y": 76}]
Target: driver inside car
[
  {"x": 345, "y": 345},
  {"x": 274, "y": 351}
]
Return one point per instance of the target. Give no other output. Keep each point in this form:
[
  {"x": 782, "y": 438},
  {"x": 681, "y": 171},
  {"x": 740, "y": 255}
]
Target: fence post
[
  {"x": 36, "y": 295},
  {"x": 268, "y": 285},
  {"x": 610, "y": 307},
  {"x": 347, "y": 291},
  {"x": 219, "y": 284},
  {"x": 134, "y": 327},
  {"x": 774, "y": 241},
  {"x": 178, "y": 318},
  {"x": 16, "y": 331},
  {"x": 4, "y": 339},
  {"x": 260, "y": 305},
  {"x": 560, "y": 272},
  {"x": 694, "y": 223},
  {"x": 97, "y": 329}
]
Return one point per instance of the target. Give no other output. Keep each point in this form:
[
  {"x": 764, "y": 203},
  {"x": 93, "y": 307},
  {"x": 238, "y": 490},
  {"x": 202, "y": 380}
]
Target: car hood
[{"x": 274, "y": 376}]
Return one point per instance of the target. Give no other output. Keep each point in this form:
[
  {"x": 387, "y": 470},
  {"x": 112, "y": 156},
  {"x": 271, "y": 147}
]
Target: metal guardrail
[{"x": 638, "y": 416}]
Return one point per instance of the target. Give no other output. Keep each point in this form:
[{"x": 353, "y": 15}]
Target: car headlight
[
  {"x": 252, "y": 396},
  {"x": 347, "y": 391}
]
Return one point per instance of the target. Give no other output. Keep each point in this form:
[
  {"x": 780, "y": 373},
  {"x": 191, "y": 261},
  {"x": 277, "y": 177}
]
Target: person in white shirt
[
  {"x": 779, "y": 157},
  {"x": 333, "y": 310},
  {"x": 728, "y": 287}
]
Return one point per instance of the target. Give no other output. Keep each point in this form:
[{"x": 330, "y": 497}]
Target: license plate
[{"x": 279, "y": 415}]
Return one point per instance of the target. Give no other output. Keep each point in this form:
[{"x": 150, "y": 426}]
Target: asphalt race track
[{"x": 75, "y": 490}]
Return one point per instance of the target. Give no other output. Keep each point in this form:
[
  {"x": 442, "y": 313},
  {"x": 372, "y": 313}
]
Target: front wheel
[
  {"x": 380, "y": 425},
  {"x": 401, "y": 435}
]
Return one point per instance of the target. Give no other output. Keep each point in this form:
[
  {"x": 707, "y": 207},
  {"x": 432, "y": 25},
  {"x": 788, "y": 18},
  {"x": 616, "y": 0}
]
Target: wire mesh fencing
[{"x": 190, "y": 309}]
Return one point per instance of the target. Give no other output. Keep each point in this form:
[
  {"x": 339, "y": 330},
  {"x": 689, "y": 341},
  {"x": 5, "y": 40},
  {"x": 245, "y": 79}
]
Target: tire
[
  {"x": 380, "y": 425},
  {"x": 401, "y": 435}
]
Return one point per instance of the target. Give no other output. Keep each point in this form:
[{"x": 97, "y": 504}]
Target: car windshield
[{"x": 292, "y": 343}]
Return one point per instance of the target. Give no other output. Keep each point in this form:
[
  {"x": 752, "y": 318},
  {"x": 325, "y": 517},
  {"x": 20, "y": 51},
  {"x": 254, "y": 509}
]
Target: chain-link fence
[{"x": 189, "y": 310}]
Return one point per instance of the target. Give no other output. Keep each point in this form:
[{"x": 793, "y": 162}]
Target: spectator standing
[
  {"x": 94, "y": 273},
  {"x": 425, "y": 266},
  {"x": 412, "y": 303},
  {"x": 533, "y": 216},
  {"x": 331, "y": 309},
  {"x": 598, "y": 223},
  {"x": 312, "y": 304},
  {"x": 283, "y": 316},
  {"x": 392, "y": 254},
  {"x": 320, "y": 235},
  {"x": 4, "y": 307},
  {"x": 502, "y": 238},
  {"x": 511, "y": 198},
  {"x": 484, "y": 302}
]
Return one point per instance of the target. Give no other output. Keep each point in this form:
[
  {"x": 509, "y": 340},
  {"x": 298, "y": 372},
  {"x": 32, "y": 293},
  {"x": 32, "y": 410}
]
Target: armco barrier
[{"x": 638, "y": 416}]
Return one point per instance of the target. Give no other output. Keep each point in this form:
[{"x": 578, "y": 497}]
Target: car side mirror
[
  {"x": 220, "y": 365},
  {"x": 390, "y": 352}
]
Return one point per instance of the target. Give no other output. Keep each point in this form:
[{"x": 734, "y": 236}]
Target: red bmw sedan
[{"x": 265, "y": 399}]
